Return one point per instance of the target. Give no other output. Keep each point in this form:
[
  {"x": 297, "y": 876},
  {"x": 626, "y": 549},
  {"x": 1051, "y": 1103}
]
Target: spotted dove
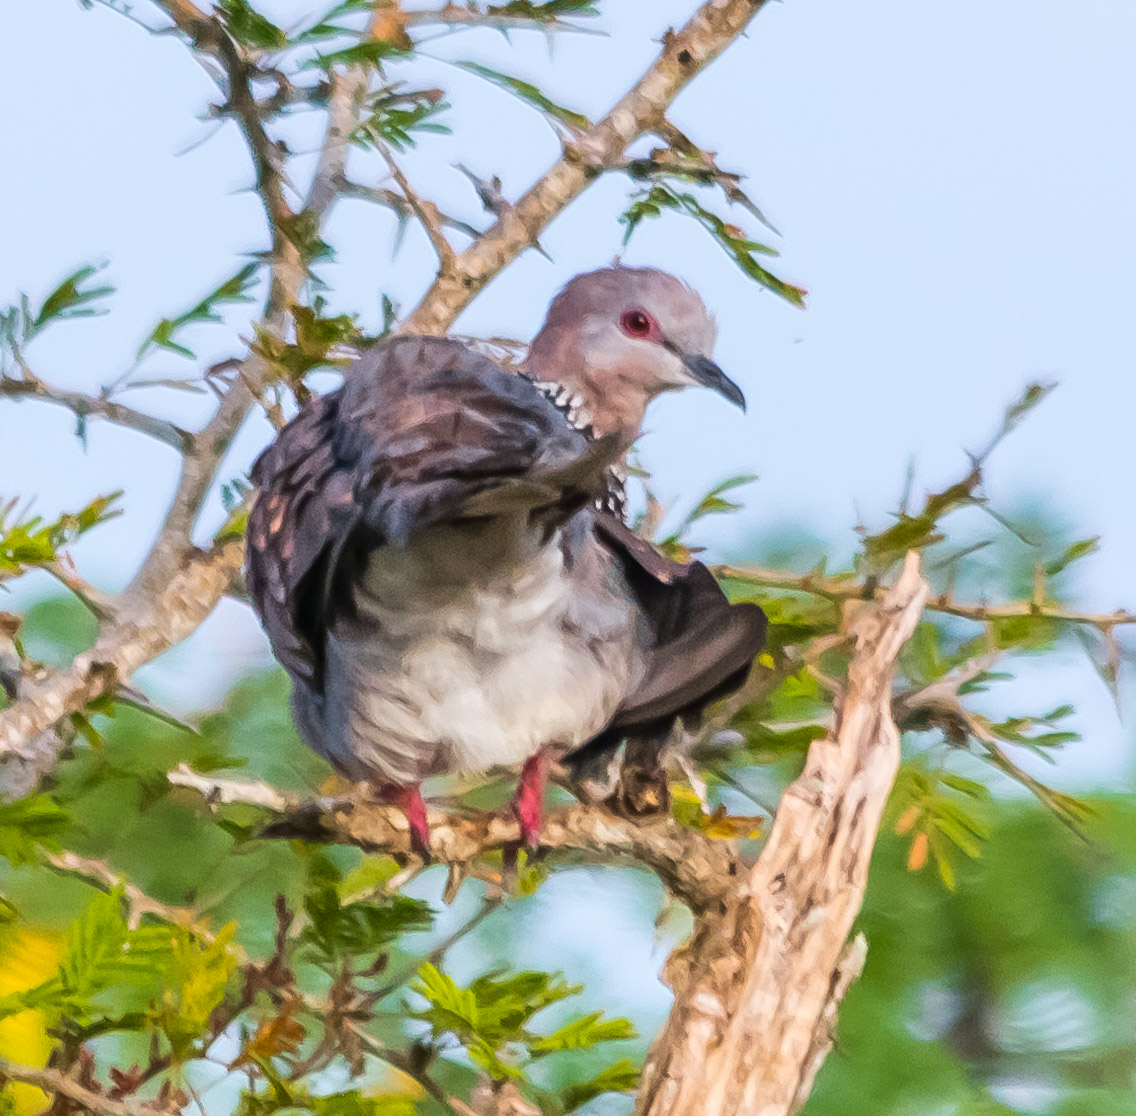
[{"x": 439, "y": 556}]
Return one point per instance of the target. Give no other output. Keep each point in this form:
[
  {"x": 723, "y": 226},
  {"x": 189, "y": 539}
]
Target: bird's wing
[
  {"x": 424, "y": 431},
  {"x": 702, "y": 646}
]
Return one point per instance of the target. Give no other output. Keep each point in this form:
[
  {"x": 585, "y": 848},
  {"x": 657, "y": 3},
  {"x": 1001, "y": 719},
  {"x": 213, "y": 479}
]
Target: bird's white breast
[{"x": 473, "y": 651}]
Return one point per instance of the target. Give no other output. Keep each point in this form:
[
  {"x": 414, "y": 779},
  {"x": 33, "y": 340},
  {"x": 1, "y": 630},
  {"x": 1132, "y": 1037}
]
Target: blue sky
[{"x": 953, "y": 183}]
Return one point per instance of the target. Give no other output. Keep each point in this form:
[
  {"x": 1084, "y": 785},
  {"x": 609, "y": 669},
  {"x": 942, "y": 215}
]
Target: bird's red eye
[{"x": 635, "y": 323}]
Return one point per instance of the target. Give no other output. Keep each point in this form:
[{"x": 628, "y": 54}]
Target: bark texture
[{"x": 758, "y": 984}]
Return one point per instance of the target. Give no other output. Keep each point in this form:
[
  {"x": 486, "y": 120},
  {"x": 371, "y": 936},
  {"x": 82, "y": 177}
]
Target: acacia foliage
[{"x": 160, "y": 952}]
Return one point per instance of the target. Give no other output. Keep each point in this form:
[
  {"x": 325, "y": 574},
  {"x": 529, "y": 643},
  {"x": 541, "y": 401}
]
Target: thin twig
[
  {"x": 489, "y": 904},
  {"x": 846, "y": 589},
  {"x": 426, "y": 212},
  {"x": 52, "y": 1081},
  {"x": 457, "y": 17},
  {"x": 96, "y": 406},
  {"x": 101, "y": 875},
  {"x": 101, "y": 607},
  {"x": 401, "y": 206}
]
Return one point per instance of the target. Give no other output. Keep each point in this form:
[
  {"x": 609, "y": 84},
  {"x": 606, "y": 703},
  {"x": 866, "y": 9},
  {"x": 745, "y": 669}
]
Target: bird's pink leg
[
  {"x": 528, "y": 802},
  {"x": 409, "y": 800}
]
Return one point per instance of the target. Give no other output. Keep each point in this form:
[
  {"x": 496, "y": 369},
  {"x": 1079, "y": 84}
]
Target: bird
[{"x": 439, "y": 554}]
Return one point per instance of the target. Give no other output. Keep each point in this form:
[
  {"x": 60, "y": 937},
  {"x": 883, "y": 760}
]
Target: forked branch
[{"x": 141, "y": 631}]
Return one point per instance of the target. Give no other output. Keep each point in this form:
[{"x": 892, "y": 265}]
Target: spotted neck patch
[{"x": 571, "y": 406}]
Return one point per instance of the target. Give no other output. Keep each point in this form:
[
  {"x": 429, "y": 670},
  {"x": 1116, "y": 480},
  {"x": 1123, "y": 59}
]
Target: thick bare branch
[
  {"x": 713, "y": 27},
  {"x": 696, "y": 868},
  {"x": 143, "y": 630},
  {"x": 347, "y": 92},
  {"x": 757, "y": 986}
]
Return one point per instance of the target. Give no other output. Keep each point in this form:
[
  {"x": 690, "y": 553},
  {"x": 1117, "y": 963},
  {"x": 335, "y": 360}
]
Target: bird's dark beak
[{"x": 704, "y": 371}]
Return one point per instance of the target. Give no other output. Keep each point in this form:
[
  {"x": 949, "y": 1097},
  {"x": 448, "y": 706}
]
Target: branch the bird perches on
[{"x": 758, "y": 983}]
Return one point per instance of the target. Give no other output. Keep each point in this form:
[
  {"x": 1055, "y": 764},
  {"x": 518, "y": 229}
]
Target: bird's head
[{"x": 619, "y": 336}]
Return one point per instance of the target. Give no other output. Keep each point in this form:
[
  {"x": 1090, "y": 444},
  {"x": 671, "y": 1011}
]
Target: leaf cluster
[
  {"x": 316, "y": 339},
  {"x": 73, "y": 298},
  {"x": 112, "y": 976},
  {"x": 393, "y": 116},
  {"x": 341, "y": 932},
  {"x": 743, "y": 250},
  {"x": 29, "y": 542},
  {"x": 490, "y": 1017},
  {"x": 164, "y": 336}
]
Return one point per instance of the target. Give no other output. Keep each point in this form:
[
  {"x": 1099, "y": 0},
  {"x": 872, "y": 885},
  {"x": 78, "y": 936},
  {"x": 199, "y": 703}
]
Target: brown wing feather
[
  {"x": 703, "y": 646},
  {"x": 424, "y": 430}
]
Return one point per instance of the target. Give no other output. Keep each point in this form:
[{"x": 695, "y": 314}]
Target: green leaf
[
  {"x": 102, "y": 955},
  {"x": 287, "y": 1096},
  {"x": 233, "y": 290},
  {"x": 507, "y": 1001},
  {"x": 547, "y": 12},
  {"x": 970, "y": 787},
  {"x": 491, "y": 1014},
  {"x": 371, "y": 53},
  {"x": 530, "y": 93},
  {"x": 741, "y": 249},
  {"x": 392, "y": 118},
  {"x": 1073, "y": 553},
  {"x": 919, "y": 531},
  {"x": 713, "y": 503},
  {"x": 316, "y": 337},
  {"x": 199, "y": 975},
  {"x": 941, "y": 854},
  {"x": 248, "y": 27},
  {"x": 324, "y": 28},
  {"x": 482, "y": 1054},
  {"x": 622, "y": 1077},
  {"x": 303, "y": 231},
  {"x": 452, "y": 1008},
  {"x": 584, "y": 1033},
  {"x": 31, "y": 542},
  {"x": 1030, "y": 398},
  {"x": 69, "y": 300},
  {"x": 28, "y": 824},
  {"x": 357, "y": 1104},
  {"x": 338, "y": 930}
]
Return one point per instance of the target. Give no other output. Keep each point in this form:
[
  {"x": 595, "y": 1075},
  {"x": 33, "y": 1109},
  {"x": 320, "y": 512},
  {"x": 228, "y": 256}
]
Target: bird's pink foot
[
  {"x": 409, "y": 800},
  {"x": 528, "y": 802}
]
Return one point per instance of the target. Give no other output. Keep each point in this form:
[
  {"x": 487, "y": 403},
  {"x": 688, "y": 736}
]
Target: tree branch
[
  {"x": 685, "y": 53},
  {"x": 428, "y": 214},
  {"x": 393, "y": 200},
  {"x": 696, "y": 868},
  {"x": 137, "y": 636},
  {"x": 757, "y": 986},
  {"x": 59, "y": 1084},
  {"x": 100, "y": 874},
  {"x": 846, "y": 589},
  {"x": 172, "y": 568},
  {"x": 91, "y": 406}
]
